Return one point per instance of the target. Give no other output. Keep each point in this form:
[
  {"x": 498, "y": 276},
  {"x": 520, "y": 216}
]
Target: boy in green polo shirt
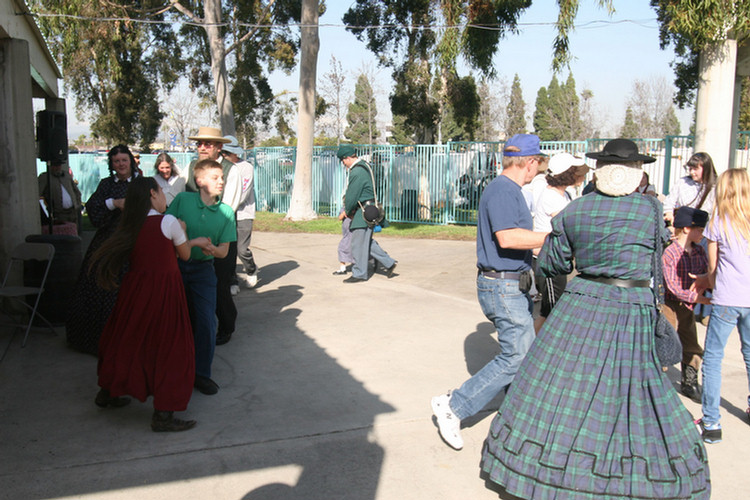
[{"x": 204, "y": 215}]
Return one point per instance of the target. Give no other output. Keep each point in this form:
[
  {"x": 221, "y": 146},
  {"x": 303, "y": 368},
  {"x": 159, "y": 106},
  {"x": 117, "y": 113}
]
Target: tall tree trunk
[
  {"x": 300, "y": 206},
  {"x": 212, "y": 10}
]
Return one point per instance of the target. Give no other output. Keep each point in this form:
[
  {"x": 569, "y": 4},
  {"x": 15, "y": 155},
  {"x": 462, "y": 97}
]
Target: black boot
[
  {"x": 689, "y": 385},
  {"x": 103, "y": 400},
  {"x": 164, "y": 421}
]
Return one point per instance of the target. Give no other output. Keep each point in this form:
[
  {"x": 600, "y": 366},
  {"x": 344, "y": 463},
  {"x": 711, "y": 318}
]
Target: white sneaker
[
  {"x": 251, "y": 280},
  {"x": 234, "y": 289},
  {"x": 448, "y": 423}
]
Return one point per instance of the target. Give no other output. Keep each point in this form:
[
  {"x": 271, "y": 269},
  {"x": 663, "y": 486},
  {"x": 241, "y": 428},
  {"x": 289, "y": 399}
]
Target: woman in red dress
[{"x": 146, "y": 347}]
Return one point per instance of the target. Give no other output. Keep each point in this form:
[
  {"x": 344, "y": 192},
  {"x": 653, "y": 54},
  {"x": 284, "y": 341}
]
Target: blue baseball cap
[{"x": 528, "y": 145}]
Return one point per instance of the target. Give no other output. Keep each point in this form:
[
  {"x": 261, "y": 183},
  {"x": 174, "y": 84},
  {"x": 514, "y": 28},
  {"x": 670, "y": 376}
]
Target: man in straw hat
[
  {"x": 210, "y": 143},
  {"x": 504, "y": 243}
]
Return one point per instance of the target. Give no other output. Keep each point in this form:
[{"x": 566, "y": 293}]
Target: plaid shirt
[{"x": 677, "y": 263}]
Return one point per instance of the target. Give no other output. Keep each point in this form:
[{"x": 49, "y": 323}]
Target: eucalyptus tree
[
  {"x": 113, "y": 64},
  {"x": 422, "y": 40},
  {"x": 239, "y": 42}
]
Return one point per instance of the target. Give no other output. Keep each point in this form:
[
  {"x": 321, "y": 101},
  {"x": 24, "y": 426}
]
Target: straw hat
[{"x": 209, "y": 134}]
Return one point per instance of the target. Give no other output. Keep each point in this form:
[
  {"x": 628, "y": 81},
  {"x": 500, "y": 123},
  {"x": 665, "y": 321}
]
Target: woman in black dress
[{"x": 91, "y": 305}]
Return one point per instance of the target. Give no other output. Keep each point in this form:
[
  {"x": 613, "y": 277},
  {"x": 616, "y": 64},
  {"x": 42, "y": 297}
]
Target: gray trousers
[
  {"x": 364, "y": 247},
  {"x": 244, "y": 232}
]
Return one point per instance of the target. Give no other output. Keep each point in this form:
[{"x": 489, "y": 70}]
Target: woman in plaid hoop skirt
[{"x": 590, "y": 414}]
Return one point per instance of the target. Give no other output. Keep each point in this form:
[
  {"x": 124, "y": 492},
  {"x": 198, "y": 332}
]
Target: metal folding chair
[{"x": 17, "y": 294}]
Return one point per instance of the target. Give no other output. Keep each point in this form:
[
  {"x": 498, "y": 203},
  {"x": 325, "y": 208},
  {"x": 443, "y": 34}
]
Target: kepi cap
[
  {"x": 689, "y": 217},
  {"x": 345, "y": 151}
]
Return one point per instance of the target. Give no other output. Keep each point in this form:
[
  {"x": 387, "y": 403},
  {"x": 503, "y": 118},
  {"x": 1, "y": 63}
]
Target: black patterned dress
[
  {"x": 91, "y": 305},
  {"x": 590, "y": 414}
]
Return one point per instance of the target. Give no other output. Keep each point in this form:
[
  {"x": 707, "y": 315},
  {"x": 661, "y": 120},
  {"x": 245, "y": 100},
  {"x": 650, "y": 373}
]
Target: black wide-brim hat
[{"x": 621, "y": 150}]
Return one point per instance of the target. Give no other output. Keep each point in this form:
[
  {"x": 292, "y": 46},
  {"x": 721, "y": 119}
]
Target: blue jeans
[
  {"x": 722, "y": 322},
  {"x": 363, "y": 247},
  {"x": 199, "y": 279},
  {"x": 509, "y": 309}
]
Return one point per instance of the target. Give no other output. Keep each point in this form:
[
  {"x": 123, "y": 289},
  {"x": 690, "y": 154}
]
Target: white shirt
[
  {"x": 687, "y": 193},
  {"x": 171, "y": 228},
  {"x": 549, "y": 203},
  {"x": 239, "y": 191},
  {"x": 171, "y": 187}
]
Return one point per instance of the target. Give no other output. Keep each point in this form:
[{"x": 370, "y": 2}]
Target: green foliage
[
  {"x": 412, "y": 100},
  {"x": 541, "y": 117},
  {"x": 745, "y": 105},
  {"x": 463, "y": 105},
  {"x": 114, "y": 69},
  {"x": 629, "y": 129},
  {"x": 406, "y": 41},
  {"x": 252, "y": 52},
  {"x": 565, "y": 25},
  {"x": 274, "y": 142},
  {"x": 557, "y": 116},
  {"x": 516, "y": 110},
  {"x": 670, "y": 124},
  {"x": 689, "y": 26},
  {"x": 361, "y": 115},
  {"x": 324, "y": 140},
  {"x": 400, "y": 132}
]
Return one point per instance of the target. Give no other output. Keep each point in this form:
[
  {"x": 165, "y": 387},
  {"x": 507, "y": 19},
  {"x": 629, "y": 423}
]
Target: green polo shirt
[{"x": 214, "y": 221}]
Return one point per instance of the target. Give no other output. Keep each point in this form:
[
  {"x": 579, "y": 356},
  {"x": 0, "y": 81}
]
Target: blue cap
[
  {"x": 689, "y": 217},
  {"x": 528, "y": 144}
]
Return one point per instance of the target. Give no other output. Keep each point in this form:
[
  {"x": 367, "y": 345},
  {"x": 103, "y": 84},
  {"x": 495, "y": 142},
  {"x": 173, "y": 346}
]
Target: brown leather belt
[{"x": 617, "y": 281}]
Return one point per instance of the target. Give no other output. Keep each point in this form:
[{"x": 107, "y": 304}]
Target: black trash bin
[{"x": 62, "y": 276}]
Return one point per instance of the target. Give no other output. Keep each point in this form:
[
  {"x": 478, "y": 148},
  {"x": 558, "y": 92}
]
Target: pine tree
[
  {"x": 629, "y": 129},
  {"x": 671, "y": 125},
  {"x": 541, "y": 115},
  {"x": 362, "y": 127},
  {"x": 516, "y": 110}
]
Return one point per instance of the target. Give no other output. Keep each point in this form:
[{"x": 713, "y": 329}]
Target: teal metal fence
[{"x": 424, "y": 184}]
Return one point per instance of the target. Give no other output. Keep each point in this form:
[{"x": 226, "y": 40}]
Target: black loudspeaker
[{"x": 52, "y": 136}]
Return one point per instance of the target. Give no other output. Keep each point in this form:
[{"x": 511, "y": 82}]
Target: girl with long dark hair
[{"x": 146, "y": 347}]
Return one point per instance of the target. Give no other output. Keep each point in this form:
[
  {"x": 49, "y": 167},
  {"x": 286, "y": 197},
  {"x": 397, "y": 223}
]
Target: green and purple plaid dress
[{"x": 590, "y": 414}]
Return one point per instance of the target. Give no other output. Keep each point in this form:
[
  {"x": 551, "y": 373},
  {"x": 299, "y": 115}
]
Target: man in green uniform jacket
[{"x": 360, "y": 190}]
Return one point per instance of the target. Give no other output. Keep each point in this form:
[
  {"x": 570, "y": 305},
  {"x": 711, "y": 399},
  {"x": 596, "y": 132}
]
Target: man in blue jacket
[{"x": 359, "y": 192}]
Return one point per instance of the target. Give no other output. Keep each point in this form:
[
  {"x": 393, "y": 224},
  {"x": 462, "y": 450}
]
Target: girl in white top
[
  {"x": 168, "y": 177},
  {"x": 696, "y": 189},
  {"x": 565, "y": 170}
]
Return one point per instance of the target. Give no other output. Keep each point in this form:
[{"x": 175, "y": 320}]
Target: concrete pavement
[{"x": 325, "y": 391}]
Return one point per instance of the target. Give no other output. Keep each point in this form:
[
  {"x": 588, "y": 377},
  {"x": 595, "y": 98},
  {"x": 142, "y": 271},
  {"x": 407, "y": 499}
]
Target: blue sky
[{"x": 610, "y": 53}]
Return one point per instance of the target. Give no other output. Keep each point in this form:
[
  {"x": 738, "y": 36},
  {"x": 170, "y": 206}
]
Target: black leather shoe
[
  {"x": 206, "y": 385},
  {"x": 389, "y": 271},
  {"x": 222, "y": 338},
  {"x": 339, "y": 272},
  {"x": 164, "y": 421},
  {"x": 352, "y": 279},
  {"x": 103, "y": 400}
]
